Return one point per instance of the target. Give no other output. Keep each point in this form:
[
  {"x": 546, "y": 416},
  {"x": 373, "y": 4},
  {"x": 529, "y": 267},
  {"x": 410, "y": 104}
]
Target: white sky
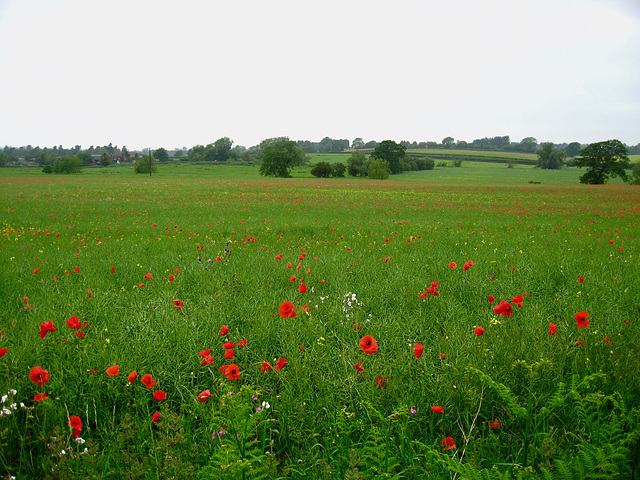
[{"x": 171, "y": 74}]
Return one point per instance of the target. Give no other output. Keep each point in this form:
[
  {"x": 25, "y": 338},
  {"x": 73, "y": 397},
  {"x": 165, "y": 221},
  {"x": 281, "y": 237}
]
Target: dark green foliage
[
  {"x": 67, "y": 164},
  {"x": 4, "y": 159},
  {"x": 279, "y": 156},
  {"x": 322, "y": 170},
  {"x": 550, "y": 157},
  {"x": 47, "y": 169},
  {"x": 603, "y": 160},
  {"x": 339, "y": 169},
  {"x": 634, "y": 179},
  {"x": 219, "y": 151},
  {"x": 85, "y": 157},
  {"x": 105, "y": 160},
  {"x": 378, "y": 169},
  {"x": 573, "y": 149},
  {"x": 392, "y": 152},
  {"x": 161, "y": 155},
  {"x": 357, "y": 164},
  {"x": 146, "y": 165}
]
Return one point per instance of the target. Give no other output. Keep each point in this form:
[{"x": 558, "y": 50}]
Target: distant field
[{"x": 470, "y": 173}]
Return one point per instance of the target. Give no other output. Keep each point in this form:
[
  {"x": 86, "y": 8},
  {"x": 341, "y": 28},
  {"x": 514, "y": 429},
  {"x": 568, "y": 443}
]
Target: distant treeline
[{"x": 223, "y": 150}]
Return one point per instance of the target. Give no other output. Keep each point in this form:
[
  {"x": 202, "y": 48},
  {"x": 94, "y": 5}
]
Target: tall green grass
[{"x": 564, "y": 402}]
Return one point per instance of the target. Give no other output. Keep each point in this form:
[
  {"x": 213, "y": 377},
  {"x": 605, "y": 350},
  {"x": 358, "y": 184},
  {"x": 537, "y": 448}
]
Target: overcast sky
[{"x": 171, "y": 74}]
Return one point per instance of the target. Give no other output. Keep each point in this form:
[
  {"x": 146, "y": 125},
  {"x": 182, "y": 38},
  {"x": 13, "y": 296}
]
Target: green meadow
[{"x": 479, "y": 322}]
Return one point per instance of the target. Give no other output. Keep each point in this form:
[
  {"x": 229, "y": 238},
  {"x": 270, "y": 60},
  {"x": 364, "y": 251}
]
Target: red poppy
[
  {"x": 286, "y": 310},
  {"x": 437, "y": 409},
  {"x": 417, "y": 350},
  {"x": 132, "y": 377},
  {"x": 76, "y": 433},
  {"x": 77, "y": 269},
  {"x": 302, "y": 288},
  {"x": 79, "y": 334},
  {"x": 518, "y": 299},
  {"x": 447, "y": 443},
  {"x": 607, "y": 341},
  {"x": 155, "y": 417},
  {"x": 492, "y": 299},
  {"x": 279, "y": 256},
  {"x": 207, "y": 360},
  {"x": 358, "y": 367},
  {"x": 75, "y": 422},
  {"x": 281, "y": 364},
  {"x": 229, "y": 344},
  {"x": 368, "y": 345},
  {"x": 224, "y": 330},
  {"x": 178, "y": 304},
  {"x": 467, "y": 265},
  {"x": 204, "y": 353},
  {"x": 581, "y": 319},
  {"x": 92, "y": 372},
  {"x": 232, "y": 372},
  {"x": 423, "y": 295},
  {"x": 46, "y": 327},
  {"x": 89, "y": 293},
  {"x": 39, "y": 376},
  {"x": 3, "y": 351},
  {"x": 74, "y": 323},
  {"x": 148, "y": 276},
  {"x": 552, "y": 328},
  {"x": 229, "y": 354},
  {"x": 479, "y": 331},
  {"x": 113, "y": 269},
  {"x": 442, "y": 356},
  {"x": 242, "y": 343},
  {"x": 204, "y": 396},
  {"x": 381, "y": 382},
  {"x": 159, "y": 395},
  {"x": 35, "y": 271},
  {"x": 289, "y": 265},
  {"x": 176, "y": 271},
  {"x": 113, "y": 370},
  {"x": 503, "y": 308},
  {"x": 218, "y": 259},
  {"x": 265, "y": 366},
  {"x": 293, "y": 278},
  {"x": 495, "y": 424},
  {"x": 25, "y": 299},
  {"x": 580, "y": 279},
  {"x": 148, "y": 381},
  {"x": 40, "y": 396},
  {"x": 453, "y": 265},
  {"x": 140, "y": 285}
]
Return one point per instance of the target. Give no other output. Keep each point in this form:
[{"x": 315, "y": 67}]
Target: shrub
[
  {"x": 322, "y": 170},
  {"x": 47, "y": 169},
  {"x": 67, "y": 164},
  {"x": 339, "y": 169},
  {"x": 378, "y": 169},
  {"x": 143, "y": 165},
  {"x": 357, "y": 164}
]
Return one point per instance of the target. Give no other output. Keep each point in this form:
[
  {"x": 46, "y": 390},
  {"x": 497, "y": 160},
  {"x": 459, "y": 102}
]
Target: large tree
[
  {"x": 279, "y": 155},
  {"x": 161, "y": 155},
  {"x": 603, "y": 160},
  {"x": 549, "y": 156},
  {"x": 392, "y": 152}
]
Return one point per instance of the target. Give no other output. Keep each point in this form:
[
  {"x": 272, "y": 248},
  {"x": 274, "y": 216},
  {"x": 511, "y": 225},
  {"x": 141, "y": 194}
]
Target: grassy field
[
  {"x": 156, "y": 270},
  {"x": 468, "y": 173}
]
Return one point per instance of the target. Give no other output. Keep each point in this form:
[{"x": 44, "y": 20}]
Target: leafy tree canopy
[
  {"x": 603, "y": 160},
  {"x": 161, "y": 155},
  {"x": 279, "y": 155},
  {"x": 392, "y": 152},
  {"x": 550, "y": 157}
]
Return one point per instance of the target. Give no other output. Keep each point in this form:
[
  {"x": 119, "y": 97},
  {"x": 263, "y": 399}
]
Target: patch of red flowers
[
  {"x": 286, "y": 310},
  {"x": 581, "y": 319},
  {"x": 479, "y": 331},
  {"x": 148, "y": 381},
  {"x": 113, "y": 370},
  {"x": 232, "y": 372},
  {"x": 437, "y": 409},
  {"x": 265, "y": 367},
  {"x": 495, "y": 424},
  {"x": 281, "y": 364},
  {"x": 368, "y": 345},
  {"x": 552, "y": 328},
  {"x": 46, "y": 327},
  {"x": 204, "y": 395},
  {"x": 467, "y": 264},
  {"x": 417, "y": 350},
  {"x": 75, "y": 422},
  {"x": 448, "y": 443},
  {"x": 503, "y": 308},
  {"x": 159, "y": 395}
]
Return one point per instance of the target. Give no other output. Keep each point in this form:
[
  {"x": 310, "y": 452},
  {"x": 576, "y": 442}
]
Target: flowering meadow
[{"x": 307, "y": 328}]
